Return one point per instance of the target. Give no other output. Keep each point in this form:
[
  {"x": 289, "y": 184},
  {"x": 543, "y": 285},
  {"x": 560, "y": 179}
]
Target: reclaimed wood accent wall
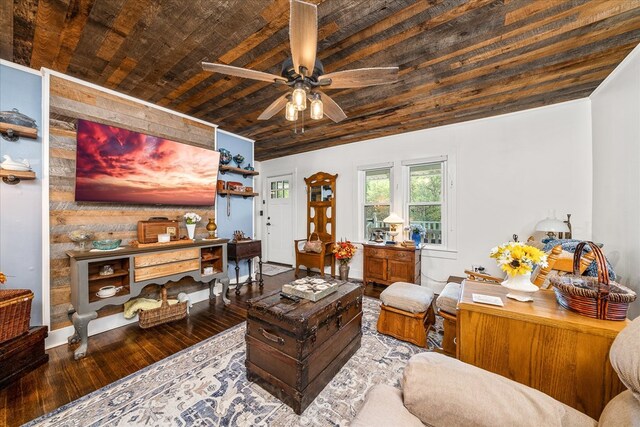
[{"x": 70, "y": 101}]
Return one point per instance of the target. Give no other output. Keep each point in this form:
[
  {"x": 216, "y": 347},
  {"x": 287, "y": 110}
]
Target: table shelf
[{"x": 117, "y": 273}]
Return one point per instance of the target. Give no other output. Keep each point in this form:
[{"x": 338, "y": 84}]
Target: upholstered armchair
[{"x": 442, "y": 391}]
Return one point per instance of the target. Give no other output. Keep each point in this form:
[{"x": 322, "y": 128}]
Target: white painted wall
[
  {"x": 616, "y": 173},
  {"x": 512, "y": 171}
]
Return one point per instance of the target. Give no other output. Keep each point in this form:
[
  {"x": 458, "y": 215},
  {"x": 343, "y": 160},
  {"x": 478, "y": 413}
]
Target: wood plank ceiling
[{"x": 459, "y": 60}]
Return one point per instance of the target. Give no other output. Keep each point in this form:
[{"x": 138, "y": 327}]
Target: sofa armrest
[{"x": 383, "y": 408}]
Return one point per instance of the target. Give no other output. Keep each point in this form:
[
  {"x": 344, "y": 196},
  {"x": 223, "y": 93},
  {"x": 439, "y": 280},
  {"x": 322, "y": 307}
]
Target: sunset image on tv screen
[{"x": 119, "y": 165}]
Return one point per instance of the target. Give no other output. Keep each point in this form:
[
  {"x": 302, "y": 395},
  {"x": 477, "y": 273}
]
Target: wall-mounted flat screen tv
[{"x": 122, "y": 166}]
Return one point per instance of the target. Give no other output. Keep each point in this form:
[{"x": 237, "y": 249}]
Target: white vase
[
  {"x": 191, "y": 230},
  {"x": 520, "y": 286}
]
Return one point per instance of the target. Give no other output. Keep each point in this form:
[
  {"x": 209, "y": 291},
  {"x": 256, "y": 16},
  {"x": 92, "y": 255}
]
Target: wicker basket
[
  {"x": 592, "y": 296},
  {"x": 163, "y": 314},
  {"x": 15, "y": 313}
]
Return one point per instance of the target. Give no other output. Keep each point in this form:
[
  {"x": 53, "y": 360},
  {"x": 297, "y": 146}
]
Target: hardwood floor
[{"x": 123, "y": 351}]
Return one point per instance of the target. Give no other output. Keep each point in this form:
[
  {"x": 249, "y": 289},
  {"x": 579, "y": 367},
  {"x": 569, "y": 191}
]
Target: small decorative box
[{"x": 313, "y": 289}]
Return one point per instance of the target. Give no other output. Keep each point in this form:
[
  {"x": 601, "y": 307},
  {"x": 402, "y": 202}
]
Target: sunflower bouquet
[
  {"x": 344, "y": 250},
  {"x": 516, "y": 258}
]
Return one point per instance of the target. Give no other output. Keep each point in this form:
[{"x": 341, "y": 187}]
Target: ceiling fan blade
[
  {"x": 275, "y": 106},
  {"x": 331, "y": 108},
  {"x": 303, "y": 36},
  {"x": 241, "y": 72},
  {"x": 361, "y": 77}
]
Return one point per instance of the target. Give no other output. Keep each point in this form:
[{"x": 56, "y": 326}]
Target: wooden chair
[
  {"x": 314, "y": 259},
  {"x": 554, "y": 263},
  {"x": 321, "y": 213}
]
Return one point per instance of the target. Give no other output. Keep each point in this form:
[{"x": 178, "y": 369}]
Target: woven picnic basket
[
  {"x": 15, "y": 313},
  {"x": 596, "y": 297},
  {"x": 163, "y": 314}
]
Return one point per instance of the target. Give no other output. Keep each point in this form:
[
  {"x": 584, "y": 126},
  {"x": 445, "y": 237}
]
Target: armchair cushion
[
  {"x": 625, "y": 357},
  {"x": 622, "y": 410},
  {"x": 443, "y": 391},
  {"x": 407, "y": 297},
  {"x": 447, "y": 301},
  {"x": 383, "y": 408}
]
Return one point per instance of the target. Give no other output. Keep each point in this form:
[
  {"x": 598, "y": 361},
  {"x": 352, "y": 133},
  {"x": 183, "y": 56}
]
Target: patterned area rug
[
  {"x": 205, "y": 385},
  {"x": 272, "y": 270}
]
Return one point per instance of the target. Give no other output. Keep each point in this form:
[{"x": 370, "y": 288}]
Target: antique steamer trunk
[
  {"x": 148, "y": 230},
  {"x": 295, "y": 348}
]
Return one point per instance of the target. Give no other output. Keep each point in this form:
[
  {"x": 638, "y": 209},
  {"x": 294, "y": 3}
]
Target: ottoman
[
  {"x": 447, "y": 305},
  {"x": 406, "y": 312}
]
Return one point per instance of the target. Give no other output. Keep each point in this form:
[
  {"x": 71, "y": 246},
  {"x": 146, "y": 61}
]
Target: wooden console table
[
  {"x": 541, "y": 345},
  {"x": 248, "y": 250},
  {"x": 386, "y": 264},
  {"x": 133, "y": 269}
]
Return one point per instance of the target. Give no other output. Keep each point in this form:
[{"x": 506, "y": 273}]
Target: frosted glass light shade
[
  {"x": 552, "y": 225},
  {"x": 290, "y": 112}
]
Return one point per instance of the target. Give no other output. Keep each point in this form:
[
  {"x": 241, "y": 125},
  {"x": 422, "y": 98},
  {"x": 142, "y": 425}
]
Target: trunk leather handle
[{"x": 273, "y": 338}]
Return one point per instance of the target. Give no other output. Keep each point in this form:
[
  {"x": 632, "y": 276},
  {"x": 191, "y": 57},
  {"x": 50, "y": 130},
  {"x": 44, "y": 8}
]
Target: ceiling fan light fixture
[
  {"x": 291, "y": 112},
  {"x": 299, "y": 97},
  {"x": 316, "y": 109}
]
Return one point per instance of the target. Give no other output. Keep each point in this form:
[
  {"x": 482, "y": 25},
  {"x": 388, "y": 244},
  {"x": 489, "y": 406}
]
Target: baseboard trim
[{"x": 59, "y": 336}]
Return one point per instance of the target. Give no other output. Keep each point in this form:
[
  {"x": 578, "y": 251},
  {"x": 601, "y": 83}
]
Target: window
[
  {"x": 279, "y": 189},
  {"x": 377, "y": 199},
  {"x": 426, "y": 199}
]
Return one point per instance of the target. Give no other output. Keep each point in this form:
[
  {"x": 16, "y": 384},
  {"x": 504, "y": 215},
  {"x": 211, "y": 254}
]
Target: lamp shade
[
  {"x": 552, "y": 225},
  {"x": 393, "y": 219}
]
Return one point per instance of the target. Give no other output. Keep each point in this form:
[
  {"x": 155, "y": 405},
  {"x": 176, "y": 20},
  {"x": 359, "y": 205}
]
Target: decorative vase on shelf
[
  {"x": 344, "y": 269},
  {"x": 238, "y": 159},
  {"x": 225, "y": 156},
  {"x": 211, "y": 228},
  {"x": 191, "y": 231},
  {"x": 416, "y": 237},
  {"x": 520, "y": 287}
]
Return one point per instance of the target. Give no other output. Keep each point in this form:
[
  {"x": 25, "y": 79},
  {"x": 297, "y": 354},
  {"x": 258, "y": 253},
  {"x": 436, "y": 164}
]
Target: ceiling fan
[{"x": 305, "y": 74}]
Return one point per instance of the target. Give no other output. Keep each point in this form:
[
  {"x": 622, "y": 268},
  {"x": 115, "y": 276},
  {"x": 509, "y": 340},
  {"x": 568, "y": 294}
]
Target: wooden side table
[
  {"x": 249, "y": 249},
  {"x": 540, "y": 344}
]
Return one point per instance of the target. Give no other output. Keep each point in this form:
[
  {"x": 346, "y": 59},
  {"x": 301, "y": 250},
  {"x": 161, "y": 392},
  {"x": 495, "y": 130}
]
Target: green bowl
[{"x": 105, "y": 245}]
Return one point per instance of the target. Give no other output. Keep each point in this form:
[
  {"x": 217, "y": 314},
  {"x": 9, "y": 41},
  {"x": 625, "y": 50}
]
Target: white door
[{"x": 279, "y": 223}]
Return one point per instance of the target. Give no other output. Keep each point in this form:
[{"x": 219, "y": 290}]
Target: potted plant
[
  {"x": 517, "y": 260},
  {"x": 191, "y": 218},
  {"x": 344, "y": 250}
]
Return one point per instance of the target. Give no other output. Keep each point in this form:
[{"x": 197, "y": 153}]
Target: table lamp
[
  {"x": 551, "y": 226},
  {"x": 394, "y": 221}
]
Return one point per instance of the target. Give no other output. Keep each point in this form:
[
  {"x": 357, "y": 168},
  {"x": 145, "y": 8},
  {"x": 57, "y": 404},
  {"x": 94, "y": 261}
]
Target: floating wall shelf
[
  {"x": 245, "y": 173},
  {"x": 11, "y": 132},
  {"x": 244, "y": 194},
  {"x": 14, "y": 177}
]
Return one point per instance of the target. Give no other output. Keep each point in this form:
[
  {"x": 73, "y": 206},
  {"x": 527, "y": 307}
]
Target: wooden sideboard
[
  {"x": 133, "y": 269},
  {"x": 541, "y": 345},
  {"x": 386, "y": 264}
]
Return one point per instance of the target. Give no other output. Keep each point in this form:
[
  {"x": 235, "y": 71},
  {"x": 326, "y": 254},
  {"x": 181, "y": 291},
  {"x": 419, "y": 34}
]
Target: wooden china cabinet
[{"x": 386, "y": 264}]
